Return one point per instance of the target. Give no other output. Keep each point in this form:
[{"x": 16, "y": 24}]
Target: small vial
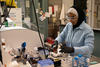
[{"x": 3, "y": 43}]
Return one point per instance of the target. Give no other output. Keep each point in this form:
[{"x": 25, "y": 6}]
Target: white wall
[
  {"x": 67, "y": 4},
  {"x": 90, "y": 6}
]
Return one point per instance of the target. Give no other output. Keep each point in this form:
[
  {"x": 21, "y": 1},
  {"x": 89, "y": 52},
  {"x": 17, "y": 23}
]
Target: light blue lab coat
[{"x": 81, "y": 38}]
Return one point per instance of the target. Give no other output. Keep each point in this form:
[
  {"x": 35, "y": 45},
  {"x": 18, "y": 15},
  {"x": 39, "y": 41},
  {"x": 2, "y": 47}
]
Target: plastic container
[{"x": 45, "y": 63}]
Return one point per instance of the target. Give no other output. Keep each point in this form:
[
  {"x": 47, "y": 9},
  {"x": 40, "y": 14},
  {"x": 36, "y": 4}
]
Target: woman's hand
[{"x": 66, "y": 49}]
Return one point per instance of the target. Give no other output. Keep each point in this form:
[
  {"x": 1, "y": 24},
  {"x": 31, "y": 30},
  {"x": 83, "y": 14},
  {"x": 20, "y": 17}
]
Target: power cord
[{"x": 38, "y": 28}]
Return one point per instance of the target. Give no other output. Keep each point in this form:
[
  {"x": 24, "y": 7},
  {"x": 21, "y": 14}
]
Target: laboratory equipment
[{"x": 45, "y": 63}]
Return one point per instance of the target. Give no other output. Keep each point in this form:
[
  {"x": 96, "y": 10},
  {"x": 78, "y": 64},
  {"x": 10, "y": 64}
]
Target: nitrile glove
[{"x": 66, "y": 49}]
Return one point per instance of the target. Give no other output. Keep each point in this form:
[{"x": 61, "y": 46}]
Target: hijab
[{"x": 78, "y": 12}]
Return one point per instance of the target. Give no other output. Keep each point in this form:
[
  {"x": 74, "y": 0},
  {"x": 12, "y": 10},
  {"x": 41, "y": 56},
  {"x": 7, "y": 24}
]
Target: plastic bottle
[
  {"x": 11, "y": 23},
  {"x": 81, "y": 60},
  {"x": 6, "y": 23},
  {"x": 45, "y": 63},
  {"x": 86, "y": 62},
  {"x": 75, "y": 62}
]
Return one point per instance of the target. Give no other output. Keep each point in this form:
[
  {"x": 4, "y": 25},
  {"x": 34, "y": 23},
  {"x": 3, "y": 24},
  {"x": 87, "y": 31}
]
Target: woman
[{"x": 77, "y": 35}]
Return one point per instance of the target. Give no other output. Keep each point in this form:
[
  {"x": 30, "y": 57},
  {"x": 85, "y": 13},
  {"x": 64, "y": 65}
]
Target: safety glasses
[{"x": 71, "y": 18}]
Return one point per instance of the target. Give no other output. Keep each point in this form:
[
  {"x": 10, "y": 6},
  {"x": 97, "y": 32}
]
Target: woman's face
[{"x": 72, "y": 18}]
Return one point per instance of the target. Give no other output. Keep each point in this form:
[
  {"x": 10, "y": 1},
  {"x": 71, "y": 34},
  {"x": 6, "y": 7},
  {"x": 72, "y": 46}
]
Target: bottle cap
[
  {"x": 80, "y": 55},
  {"x": 24, "y": 44},
  {"x": 76, "y": 58}
]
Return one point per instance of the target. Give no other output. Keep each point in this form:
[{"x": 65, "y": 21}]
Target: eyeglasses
[{"x": 69, "y": 18}]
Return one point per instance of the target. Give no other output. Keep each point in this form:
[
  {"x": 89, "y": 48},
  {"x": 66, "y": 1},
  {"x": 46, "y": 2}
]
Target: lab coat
[{"x": 81, "y": 38}]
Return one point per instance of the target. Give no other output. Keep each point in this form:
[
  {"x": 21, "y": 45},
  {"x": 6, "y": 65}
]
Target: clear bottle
[
  {"x": 86, "y": 62},
  {"x": 75, "y": 62},
  {"x": 81, "y": 60}
]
